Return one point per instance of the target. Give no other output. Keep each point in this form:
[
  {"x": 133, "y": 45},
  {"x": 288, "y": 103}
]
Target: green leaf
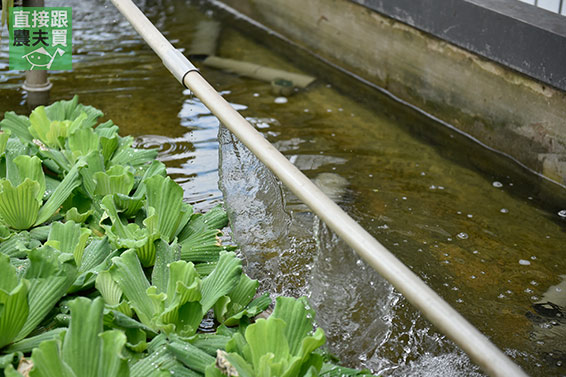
[
  {"x": 165, "y": 255},
  {"x": 237, "y": 300},
  {"x": 129, "y": 205},
  {"x": 18, "y": 244},
  {"x": 81, "y": 346},
  {"x": 210, "y": 343},
  {"x": 69, "y": 238},
  {"x": 19, "y": 205},
  {"x": 215, "y": 218},
  {"x": 111, "y": 362},
  {"x": 83, "y": 141},
  {"x": 4, "y": 136},
  {"x": 50, "y": 276},
  {"x": 71, "y": 110},
  {"x": 267, "y": 337},
  {"x": 13, "y": 302},
  {"x": 30, "y": 167},
  {"x": 94, "y": 163},
  {"x": 244, "y": 368},
  {"x": 40, "y": 124},
  {"x": 65, "y": 188},
  {"x": 28, "y": 344},
  {"x": 166, "y": 197},
  {"x": 153, "y": 365},
  {"x": 18, "y": 125},
  {"x": 193, "y": 357},
  {"x": 108, "y": 288},
  {"x": 133, "y": 157},
  {"x": 73, "y": 214},
  {"x": 47, "y": 361},
  {"x": 85, "y": 350},
  {"x": 204, "y": 246},
  {"x": 222, "y": 280},
  {"x": 128, "y": 274},
  {"x": 299, "y": 318},
  {"x": 182, "y": 309}
]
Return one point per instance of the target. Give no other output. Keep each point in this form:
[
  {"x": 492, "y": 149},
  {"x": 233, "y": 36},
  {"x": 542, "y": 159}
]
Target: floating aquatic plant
[{"x": 107, "y": 271}]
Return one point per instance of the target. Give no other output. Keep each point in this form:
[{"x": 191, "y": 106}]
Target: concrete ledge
[
  {"x": 502, "y": 108},
  {"x": 528, "y": 39}
]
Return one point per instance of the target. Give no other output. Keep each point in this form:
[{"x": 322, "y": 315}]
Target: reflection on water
[{"x": 477, "y": 235}]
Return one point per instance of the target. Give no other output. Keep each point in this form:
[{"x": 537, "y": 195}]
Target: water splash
[{"x": 291, "y": 252}]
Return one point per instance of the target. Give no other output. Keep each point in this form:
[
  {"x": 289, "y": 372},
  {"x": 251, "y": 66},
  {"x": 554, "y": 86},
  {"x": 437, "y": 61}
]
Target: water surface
[{"x": 477, "y": 228}]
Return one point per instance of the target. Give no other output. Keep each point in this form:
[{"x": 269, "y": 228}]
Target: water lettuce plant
[{"x": 106, "y": 271}]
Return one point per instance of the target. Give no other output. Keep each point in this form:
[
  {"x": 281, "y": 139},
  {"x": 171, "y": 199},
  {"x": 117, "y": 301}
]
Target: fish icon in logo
[{"x": 41, "y": 58}]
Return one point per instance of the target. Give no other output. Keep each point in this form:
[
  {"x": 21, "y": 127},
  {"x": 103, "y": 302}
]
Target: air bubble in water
[
  {"x": 562, "y": 213},
  {"x": 497, "y": 184},
  {"x": 524, "y": 262},
  {"x": 462, "y": 236},
  {"x": 280, "y": 100},
  {"x": 504, "y": 210}
]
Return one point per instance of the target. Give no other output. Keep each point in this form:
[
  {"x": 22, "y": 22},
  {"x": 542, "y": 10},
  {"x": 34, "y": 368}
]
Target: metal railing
[{"x": 434, "y": 308}]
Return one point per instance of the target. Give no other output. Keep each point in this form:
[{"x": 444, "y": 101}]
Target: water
[{"x": 484, "y": 234}]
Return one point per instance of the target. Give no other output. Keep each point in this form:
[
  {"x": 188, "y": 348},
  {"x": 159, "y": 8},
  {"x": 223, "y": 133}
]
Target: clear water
[{"x": 483, "y": 233}]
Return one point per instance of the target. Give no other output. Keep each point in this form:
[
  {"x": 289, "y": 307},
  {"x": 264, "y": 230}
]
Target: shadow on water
[{"x": 481, "y": 231}]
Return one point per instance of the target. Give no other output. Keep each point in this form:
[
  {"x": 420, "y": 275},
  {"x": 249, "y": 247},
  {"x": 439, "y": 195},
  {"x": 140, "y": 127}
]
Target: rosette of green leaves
[
  {"x": 27, "y": 296},
  {"x": 23, "y": 191},
  {"x": 84, "y": 349},
  {"x": 282, "y": 345},
  {"x": 178, "y": 299}
]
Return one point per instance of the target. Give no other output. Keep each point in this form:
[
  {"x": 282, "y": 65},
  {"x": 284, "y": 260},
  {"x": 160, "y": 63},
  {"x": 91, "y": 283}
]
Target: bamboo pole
[{"x": 433, "y": 307}]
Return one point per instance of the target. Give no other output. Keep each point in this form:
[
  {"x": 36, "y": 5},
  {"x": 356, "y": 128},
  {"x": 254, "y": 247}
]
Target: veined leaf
[
  {"x": 267, "y": 337},
  {"x": 18, "y": 244},
  {"x": 71, "y": 110},
  {"x": 215, "y": 218},
  {"x": 40, "y": 124},
  {"x": 230, "y": 309},
  {"x": 18, "y": 125},
  {"x": 193, "y": 357},
  {"x": 165, "y": 255},
  {"x": 94, "y": 163},
  {"x": 222, "y": 280},
  {"x": 19, "y": 205},
  {"x": 28, "y": 344},
  {"x": 4, "y": 136},
  {"x": 50, "y": 275},
  {"x": 203, "y": 246},
  {"x": 125, "y": 155},
  {"x": 73, "y": 214},
  {"x": 108, "y": 147},
  {"x": 128, "y": 274},
  {"x": 181, "y": 304},
  {"x": 116, "y": 180},
  {"x": 81, "y": 346},
  {"x": 85, "y": 349},
  {"x": 48, "y": 363},
  {"x": 30, "y": 167},
  {"x": 83, "y": 141},
  {"x": 69, "y": 238},
  {"x": 166, "y": 197},
  {"x": 13, "y": 302},
  {"x": 299, "y": 318},
  {"x": 282, "y": 345},
  {"x": 110, "y": 291},
  {"x": 61, "y": 193}
]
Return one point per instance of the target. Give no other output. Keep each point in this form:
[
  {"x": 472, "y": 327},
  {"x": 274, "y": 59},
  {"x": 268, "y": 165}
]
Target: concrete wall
[{"x": 500, "y": 107}]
